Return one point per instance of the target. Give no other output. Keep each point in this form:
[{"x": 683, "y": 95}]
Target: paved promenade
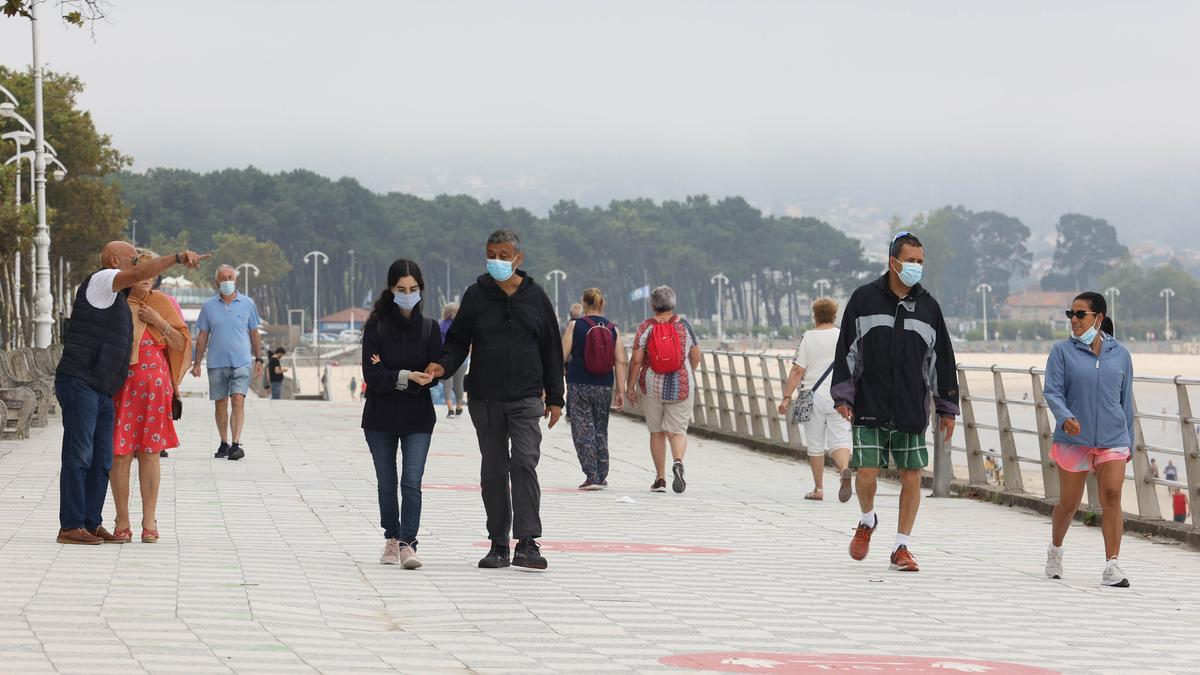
[{"x": 270, "y": 565}]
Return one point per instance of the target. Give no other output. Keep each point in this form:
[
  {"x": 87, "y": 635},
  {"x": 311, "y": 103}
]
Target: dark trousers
[
  {"x": 87, "y": 452},
  {"x": 589, "y": 428},
  {"x": 399, "y": 515},
  {"x": 497, "y": 425}
]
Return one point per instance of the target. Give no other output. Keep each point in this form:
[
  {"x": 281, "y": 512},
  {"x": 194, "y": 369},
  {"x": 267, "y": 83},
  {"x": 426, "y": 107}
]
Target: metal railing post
[
  {"x": 699, "y": 413},
  {"x": 712, "y": 414},
  {"x": 726, "y": 423},
  {"x": 756, "y": 412},
  {"x": 1191, "y": 450},
  {"x": 1041, "y": 412},
  {"x": 943, "y": 469},
  {"x": 794, "y": 440},
  {"x": 739, "y": 405},
  {"x": 1013, "y": 481},
  {"x": 976, "y": 471},
  {"x": 773, "y": 430},
  {"x": 1147, "y": 492}
]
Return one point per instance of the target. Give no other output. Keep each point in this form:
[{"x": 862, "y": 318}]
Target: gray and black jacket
[{"x": 891, "y": 356}]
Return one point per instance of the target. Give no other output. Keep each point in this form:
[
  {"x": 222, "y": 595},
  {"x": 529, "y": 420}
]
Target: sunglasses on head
[
  {"x": 1078, "y": 314},
  {"x": 902, "y": 233}
]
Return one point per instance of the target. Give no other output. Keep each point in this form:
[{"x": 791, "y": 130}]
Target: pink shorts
[{"x": 1079, "y": 458}]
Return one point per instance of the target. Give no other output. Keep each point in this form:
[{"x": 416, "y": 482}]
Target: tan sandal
[{"x": 816, "y": 496}]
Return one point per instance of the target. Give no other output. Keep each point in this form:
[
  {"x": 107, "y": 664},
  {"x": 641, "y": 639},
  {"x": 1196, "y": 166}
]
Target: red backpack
[
  {"x": 599, "y": 346},
  {"x": 664, "y": 349}
]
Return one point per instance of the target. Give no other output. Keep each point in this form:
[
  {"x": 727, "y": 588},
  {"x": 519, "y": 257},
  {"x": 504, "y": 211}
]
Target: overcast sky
[{"x": 1029, "y": 107}]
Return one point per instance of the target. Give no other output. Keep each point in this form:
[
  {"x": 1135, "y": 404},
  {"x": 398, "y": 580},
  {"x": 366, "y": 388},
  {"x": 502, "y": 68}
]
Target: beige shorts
[{"x": 672, "y": 417}]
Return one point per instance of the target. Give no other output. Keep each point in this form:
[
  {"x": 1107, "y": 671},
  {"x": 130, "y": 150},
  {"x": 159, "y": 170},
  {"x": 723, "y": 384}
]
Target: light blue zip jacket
[{"x": 1096, "y": 390}]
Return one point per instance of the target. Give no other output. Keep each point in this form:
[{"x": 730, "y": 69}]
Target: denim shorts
[{"x": 226, "y": 382}]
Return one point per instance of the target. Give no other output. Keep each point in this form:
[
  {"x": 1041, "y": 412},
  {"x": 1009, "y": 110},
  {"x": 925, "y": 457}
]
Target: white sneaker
[
  {"x": 1054, "y": 562},
  {"x": 408, "y": 558},
  {"x": 1113, "y": 576},
  {"x": 391, "y": 553}
]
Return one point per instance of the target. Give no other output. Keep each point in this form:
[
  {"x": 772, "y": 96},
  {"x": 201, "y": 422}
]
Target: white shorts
[{"x": 826, "y": 429}]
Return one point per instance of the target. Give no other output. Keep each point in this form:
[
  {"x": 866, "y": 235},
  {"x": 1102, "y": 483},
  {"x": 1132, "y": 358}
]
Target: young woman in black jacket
[{"x": 398, "y": 412}]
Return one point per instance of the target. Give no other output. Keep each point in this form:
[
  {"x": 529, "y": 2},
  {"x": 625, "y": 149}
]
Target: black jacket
[
  {"x": 515, "y": 348},
  {"x": 891, "y": 355},
  {"x": 402, "y": 345},
  {"x": 97, "y": 342}
]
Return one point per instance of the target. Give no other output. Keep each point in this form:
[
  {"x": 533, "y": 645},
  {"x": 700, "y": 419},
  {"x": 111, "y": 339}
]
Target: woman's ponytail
[{"x": 1106, "y": 326}]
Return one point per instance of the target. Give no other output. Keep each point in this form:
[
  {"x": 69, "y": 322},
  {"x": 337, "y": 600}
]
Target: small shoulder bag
[{"x": 803, "y": 407}]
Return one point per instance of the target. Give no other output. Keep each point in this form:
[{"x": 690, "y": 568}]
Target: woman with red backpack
[
  {"x": 662, "y": 374},
  {"x": 593, "y": 352}
]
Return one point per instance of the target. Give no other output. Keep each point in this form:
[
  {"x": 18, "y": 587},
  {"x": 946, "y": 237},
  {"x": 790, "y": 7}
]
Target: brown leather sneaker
[
  {"x": 860, "y": 545},
  {"x": 108, "y": 537},
  {"x": 902, "y": 560},
  {"x": 78, "y": 535}
]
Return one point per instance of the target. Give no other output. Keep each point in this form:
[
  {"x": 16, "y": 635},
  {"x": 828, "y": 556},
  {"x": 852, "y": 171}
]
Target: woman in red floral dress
[{"x": 143, "y": 429}]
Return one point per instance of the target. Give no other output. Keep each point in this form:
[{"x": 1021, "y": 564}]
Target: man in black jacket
[
  {"x": 508, "y": 326},
  {"x": 893, "y": 354}
]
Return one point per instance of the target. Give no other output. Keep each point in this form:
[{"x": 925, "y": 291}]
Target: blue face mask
[
  {"x": 501, "y": 270},
  {"x": 910, "y": 273},
  {"x": 228, "y": 287},
  {"x": 406, "y": 301},
  {"x": 1088, "y": 336}
]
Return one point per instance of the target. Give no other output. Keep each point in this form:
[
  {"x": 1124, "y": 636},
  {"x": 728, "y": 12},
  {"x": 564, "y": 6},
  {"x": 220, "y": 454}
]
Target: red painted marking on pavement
[
  {"x": 622, "y": 547},
  {"x": 768, "y": 662}
]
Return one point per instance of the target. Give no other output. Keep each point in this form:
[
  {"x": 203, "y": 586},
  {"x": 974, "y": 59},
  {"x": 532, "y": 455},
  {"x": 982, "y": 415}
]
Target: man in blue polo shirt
[{"x": 228, "y": 326}]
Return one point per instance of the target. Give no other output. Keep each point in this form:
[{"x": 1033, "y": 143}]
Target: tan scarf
[{"x": 161, "y": 304}]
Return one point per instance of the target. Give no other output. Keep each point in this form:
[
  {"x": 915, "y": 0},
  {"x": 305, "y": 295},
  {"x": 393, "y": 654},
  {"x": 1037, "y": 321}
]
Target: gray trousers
[{"x": 497, "y": 425}]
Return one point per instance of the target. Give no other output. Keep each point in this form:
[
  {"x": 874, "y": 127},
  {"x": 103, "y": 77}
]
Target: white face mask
[{"x": 228, "y": 287}]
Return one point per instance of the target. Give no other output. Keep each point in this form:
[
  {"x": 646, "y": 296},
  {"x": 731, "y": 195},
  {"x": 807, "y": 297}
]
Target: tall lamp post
[
  {"x": 984, "y": 289},
  {"x": 720, "y": 280},
  {"x": 42, "y": 319},
  {"x": 314, "y": 257},
  {"x": 1166, "y": 294},
  {"x": 249, "y": 267},
  {"x": 351, "y": 280},
  {"x": 822, "y": 286},
  {"x": 1112, "y": 292},
  {"x": 556, "y": 276}
]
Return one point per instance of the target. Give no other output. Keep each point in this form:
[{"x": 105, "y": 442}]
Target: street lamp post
[
  {"x": 822, "y": 286},
  {"x": 314, "y": 257},
  {"x": 720, "y": 280},
  {"x": 249, "y": 267},
  {"x": 984, "y": 289},
  {"x": 351, "y": 280},
  {"x": 42, "y": 319},
  {"x": 1166, "y": 294},
  {"x": 1114, "y": 293},
  {"x": 557, "y": 276}
]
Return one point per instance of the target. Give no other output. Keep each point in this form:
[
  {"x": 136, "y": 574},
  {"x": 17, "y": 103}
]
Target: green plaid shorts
[{"x": 873, "y": 445}]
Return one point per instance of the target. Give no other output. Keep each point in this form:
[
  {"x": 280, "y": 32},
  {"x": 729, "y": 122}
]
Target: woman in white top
[{"x": 826, "y": 430}]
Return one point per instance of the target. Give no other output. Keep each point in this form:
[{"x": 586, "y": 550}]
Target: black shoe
[
  {"x": 163, "y": 453},
  {"x": 679, "y": 484},
  {"x": 496, "y": 558},
  {"x": 449, "y": 414},
  {"x": 236, "y": 451},
  {"x": 528, "y": 555},
  {"x": 223, "y": 451}
]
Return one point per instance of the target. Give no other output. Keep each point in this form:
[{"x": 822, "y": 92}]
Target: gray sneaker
[
  {"x": 1054, "y": 558},
  {"x": 391, "y": 553},
  {"x": 408, "y": 558},
  {"x": 1113, "y": 576}
]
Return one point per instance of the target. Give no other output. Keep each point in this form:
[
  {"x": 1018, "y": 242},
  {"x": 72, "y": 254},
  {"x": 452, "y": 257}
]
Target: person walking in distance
[
  {"x": 228, "y": 326},
  {"x": 662, "y": 374},
  {"x": 353, "y": 388},
  {"x": 595, "y": 364},
  {"x": 825, "y": 430},
  {"x": 162, "y": 348},
  {"x": 893, "y": 355},
  {"x": 397, "y": 343},
  {"x": 452, "y": 387},
  {"x": 507, "y": 324},
  {"x": 276, "y": 372},
  {"x": 1089, "y": 389},
  {"x": 97, "y": 342}
]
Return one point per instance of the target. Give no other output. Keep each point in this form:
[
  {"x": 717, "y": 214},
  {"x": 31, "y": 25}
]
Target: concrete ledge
[{"x": 1167, "y": 529}]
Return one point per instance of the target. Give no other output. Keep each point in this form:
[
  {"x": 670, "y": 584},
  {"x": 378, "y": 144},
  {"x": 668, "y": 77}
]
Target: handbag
[
  {"x": 176, "y": 407},
  {"x": 803, "y": 407}
]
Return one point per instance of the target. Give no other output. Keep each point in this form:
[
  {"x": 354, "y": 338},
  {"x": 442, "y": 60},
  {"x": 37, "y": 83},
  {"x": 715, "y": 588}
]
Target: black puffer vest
[{"x": 97, "y": 342}]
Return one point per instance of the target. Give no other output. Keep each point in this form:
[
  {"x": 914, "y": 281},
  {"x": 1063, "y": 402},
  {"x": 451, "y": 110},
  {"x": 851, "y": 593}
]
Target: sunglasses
[
  {"x": 1078, "y": 314},
  {"x": 902, "y": 233}
]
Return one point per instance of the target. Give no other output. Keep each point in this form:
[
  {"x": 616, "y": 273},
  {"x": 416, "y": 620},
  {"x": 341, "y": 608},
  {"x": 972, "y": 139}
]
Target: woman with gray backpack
[{"x": 824, "y": 429}]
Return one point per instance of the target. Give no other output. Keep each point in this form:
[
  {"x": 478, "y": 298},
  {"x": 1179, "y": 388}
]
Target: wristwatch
[
  {"x": 178, "y": 261},
  {"x": 258, "y": 359}
]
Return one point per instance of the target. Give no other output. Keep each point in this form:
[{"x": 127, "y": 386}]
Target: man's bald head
[{"x": 118, "y": 254}]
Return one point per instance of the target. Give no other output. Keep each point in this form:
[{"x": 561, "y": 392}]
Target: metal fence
[{"x": 738, "y": 394}]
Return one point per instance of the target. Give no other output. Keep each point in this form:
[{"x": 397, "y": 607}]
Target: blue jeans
[
  {"x": 277, "y": 390},
  {"x": 226, "y": 382},
  {"x": 400, "y": 517},
  {"x": 87, "y": 452}
]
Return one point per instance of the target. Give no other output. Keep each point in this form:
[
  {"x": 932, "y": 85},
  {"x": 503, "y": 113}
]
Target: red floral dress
[{"x": 144, "y": 404}]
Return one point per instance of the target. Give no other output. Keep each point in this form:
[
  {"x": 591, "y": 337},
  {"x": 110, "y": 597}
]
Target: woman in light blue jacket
[{"x": 1089, "y": 388}]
